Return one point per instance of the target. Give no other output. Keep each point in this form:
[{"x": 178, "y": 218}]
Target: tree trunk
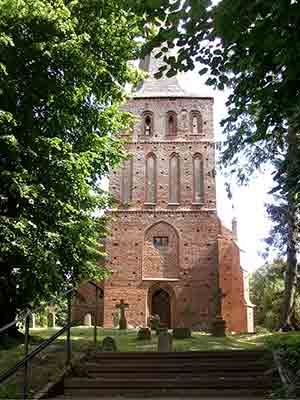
[
  {"x": 7, "y": 299},
  {"x": 290, "y": 279}
]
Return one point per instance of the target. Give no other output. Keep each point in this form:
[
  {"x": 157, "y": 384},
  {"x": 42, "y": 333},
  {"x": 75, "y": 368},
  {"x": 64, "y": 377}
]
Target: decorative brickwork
[
  {"x": 166, "y": 247},
  {"x": 161, "y": 261}
]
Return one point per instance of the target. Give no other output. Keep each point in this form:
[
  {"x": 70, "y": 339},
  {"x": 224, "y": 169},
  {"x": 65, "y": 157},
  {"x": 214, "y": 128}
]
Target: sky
[{"x": 249, "y": 202}]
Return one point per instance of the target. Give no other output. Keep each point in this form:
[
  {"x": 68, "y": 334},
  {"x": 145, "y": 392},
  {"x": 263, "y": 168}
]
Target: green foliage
[
  {"x": 63, "y": 70},
  {"x": 144, "y": 334},
  {"x": 261, "y": 330},
  {"x": 290, "y": 344},
  {"x": 266, "y": 292},
  {"x": 154, "y": 322}
]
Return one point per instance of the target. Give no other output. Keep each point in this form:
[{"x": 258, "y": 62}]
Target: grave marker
[{"x": 122, "y": 307}]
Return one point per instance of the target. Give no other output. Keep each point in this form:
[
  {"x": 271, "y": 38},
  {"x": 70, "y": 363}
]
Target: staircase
[{"x": 240, "y": 374}]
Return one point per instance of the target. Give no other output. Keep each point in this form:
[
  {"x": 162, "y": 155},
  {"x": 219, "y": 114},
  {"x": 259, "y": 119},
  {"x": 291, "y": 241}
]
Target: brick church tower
[{"x": 167, "y": 246}]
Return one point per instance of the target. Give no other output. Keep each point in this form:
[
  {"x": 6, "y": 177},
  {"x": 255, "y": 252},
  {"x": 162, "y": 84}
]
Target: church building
[{"x": 167, "y": 248}]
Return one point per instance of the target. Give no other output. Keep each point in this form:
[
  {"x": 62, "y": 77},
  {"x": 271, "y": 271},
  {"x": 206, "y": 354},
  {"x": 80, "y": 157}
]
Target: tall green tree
[
  {"x": 267, "y": 293},
  {"x": 64, "y": 65},
  {"x": 254, "y": 48}
]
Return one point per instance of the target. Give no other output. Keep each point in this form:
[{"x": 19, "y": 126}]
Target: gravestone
[
  {"x": 116, "y": 318},
  {"x": 51, "y": 320},
  {"x": 182, "y": 333},
  {"x": 164, "y": 341},
  {"x": 122, "y": 307},
  {"x": 87, "y": 321},
  {"x": 109, "y": 344}
]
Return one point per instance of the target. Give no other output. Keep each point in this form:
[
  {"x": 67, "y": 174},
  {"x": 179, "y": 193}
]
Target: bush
[
  {"x": 261, "y": 330},
  {"x": 154, "y": 322},
  {"x": 182, "y": 333},
  {"x": 144, "y": 334},
  {"x": 290, "y": 345}
]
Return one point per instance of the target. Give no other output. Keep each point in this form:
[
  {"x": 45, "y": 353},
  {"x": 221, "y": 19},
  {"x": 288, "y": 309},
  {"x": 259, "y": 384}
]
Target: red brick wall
[
  {"x": 84, "y": 303},
  {"x": 163, "y": 146},
  {"x": 197, "y": 257},
  {"x": 160, "y": 263},
  {"x": 236, "y": 305}
]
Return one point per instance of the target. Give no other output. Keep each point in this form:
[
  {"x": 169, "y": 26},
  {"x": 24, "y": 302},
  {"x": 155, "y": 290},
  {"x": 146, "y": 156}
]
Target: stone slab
[{"x": 158, "y": 398}]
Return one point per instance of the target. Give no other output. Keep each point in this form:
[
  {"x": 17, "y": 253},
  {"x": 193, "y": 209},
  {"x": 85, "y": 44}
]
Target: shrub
[
  {"x": 261, "y": 330},
  {"x": 154, "y": 322},
  {"x": 144, "y": 334}
]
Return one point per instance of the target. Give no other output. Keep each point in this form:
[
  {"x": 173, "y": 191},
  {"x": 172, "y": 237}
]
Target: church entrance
[{"x": 161, "y": 306}]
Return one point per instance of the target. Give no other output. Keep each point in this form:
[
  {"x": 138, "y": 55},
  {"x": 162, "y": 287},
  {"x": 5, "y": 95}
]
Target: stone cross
[
  {"x": 164, "y": 341},
  {"x": 218, "y": 324},
  {"x": 218, "y": 300},
  {"x": 87, "y": 320},
  {"x": 122, "y": 307}
]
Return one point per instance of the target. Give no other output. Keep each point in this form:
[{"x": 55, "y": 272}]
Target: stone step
[
  {"x": 207, "y": 381},
  {"x": 178, "y": 393},
  {"x": 160, "y": 397},
  {"x": 186, "y": 354},
  {"x": 230, "y": 374},
  {"x": 183, "y": 363},
  {"x": 179, "y": 375},
  {"x": 188, "y": 368}
]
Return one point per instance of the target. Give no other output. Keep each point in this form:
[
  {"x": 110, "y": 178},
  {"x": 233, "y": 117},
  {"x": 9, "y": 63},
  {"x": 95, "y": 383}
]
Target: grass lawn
[{"x": 51, "y": 361}]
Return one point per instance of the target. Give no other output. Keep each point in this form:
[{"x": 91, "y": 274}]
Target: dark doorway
[{"x": 162, "y": 307}]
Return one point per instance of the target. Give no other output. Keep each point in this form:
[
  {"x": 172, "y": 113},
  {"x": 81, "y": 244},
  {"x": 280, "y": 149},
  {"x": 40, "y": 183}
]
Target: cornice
[
  {"x": 211, "y": 143},
  {"x": 162, "y": 211}
]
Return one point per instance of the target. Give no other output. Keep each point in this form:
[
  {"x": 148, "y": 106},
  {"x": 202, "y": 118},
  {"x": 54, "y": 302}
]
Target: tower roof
[{"x": 163, "y": 87}]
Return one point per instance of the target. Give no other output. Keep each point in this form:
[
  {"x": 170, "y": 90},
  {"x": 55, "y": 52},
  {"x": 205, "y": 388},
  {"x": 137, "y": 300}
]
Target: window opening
[
  {"x": 148, "y": 125},
  {"x": 198, "y": 179},
  {"x": 151, "y": 179},
  {"x": 126, "y": 188},
  {"x": 172, "y": 124},
  {"x": 174, "y": 180},
  {"x": 161, "y": 242}
]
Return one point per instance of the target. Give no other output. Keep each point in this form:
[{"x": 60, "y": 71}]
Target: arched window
[
  {"x": 150, "y": 179},
  {"x": 198, "y": 179},
  {"x": 171, "y": 123},
  {"x": 196, "y": 123},
  {"x": 126, "y": 184},
  {"x": 174, "y": 179},
  {"x": 148, "y": 123}
]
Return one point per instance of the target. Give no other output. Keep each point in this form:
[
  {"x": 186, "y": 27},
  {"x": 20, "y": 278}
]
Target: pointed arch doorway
[{"x": 161, "y": 305}]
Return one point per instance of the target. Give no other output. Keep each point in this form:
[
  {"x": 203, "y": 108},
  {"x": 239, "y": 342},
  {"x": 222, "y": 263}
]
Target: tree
[
  {"x": 267, "y": 292},
  {"x": 284, "y": 235},
  {"x": 63, "y": 68},
  {"x": 253, "y": 48}
]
